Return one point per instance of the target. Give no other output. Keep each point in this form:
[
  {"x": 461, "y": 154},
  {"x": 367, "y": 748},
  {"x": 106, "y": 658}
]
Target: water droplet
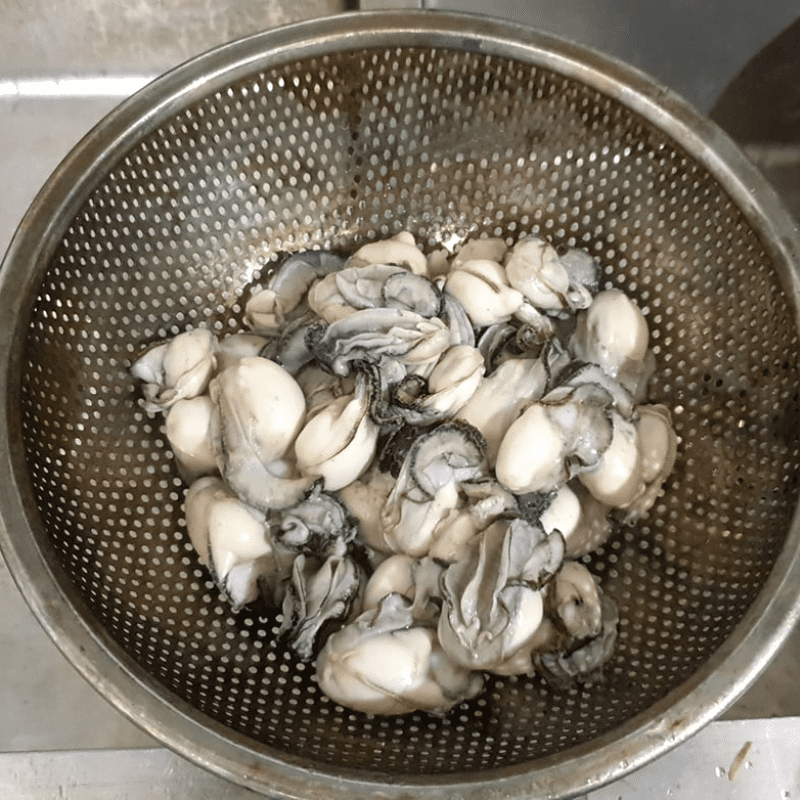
[
  {"x": 720, "y": 772},
  {"x": 748, "y": 764},
  {"x": 786, "y": 793}
]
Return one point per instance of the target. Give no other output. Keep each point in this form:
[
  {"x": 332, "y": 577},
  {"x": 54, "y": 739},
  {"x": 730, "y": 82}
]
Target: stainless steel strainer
[{"x": 327, "y": 134}]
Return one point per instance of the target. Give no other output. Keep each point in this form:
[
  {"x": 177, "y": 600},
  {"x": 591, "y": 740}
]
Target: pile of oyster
[{"x": 408, "y": 456}]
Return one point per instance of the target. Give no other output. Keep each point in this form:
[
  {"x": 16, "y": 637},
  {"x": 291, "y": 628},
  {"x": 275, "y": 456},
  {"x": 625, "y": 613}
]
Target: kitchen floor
[{"x": 44, "y": 703}]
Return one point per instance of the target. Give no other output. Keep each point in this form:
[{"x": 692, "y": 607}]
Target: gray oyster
[
  {"x": 427, "y": 487},
  {"x": 404, "y": 336},
  {"x": 270, "y": 306},
  {"x": 493, "y": 598},
  {"x": 579, "y": 654},
  {"x": 322, "y": 593}
]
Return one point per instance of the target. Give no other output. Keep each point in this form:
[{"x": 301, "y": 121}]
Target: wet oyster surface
[{"x": 407, "y": 455}]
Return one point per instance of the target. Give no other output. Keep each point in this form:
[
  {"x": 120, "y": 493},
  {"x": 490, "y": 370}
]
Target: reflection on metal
[{"x": 90, "y": 86}]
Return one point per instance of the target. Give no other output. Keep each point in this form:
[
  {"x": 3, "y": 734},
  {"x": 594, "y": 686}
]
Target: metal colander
[{"x": 326, "y": 135}]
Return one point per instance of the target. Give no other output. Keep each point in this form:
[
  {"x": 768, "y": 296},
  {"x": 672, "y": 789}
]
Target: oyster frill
[{"x": 493, "y": 598}]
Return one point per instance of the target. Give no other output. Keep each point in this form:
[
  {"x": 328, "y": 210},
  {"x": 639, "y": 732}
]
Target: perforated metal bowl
[{"x": 324, "y": 135}]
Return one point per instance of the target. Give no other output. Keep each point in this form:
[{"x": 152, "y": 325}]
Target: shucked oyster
[
  {"x": 501, "y": 397},
  {"x": 657, "y": 443},
  {"x": 577, "y": 631},
  {"x": 580, "y": 629},
  {"x": 383, "y": 663},
  {"x": 548, "y": 281},
  {"x": 638, "y": 461},
  {"x": 188, "y": 430},
  {"x": 485, "y": 500},
  {"x": 615, "y": 478},
  {"x": 322, "y": 593},
  {"x": 400, "y": 250},
  {"x": 286, "y": 291},
  {"x": 318, "y": 525},
  {"x": 326, "y": 581},
  {"x": 404, "y": 336},
  {"x": 177, "y": 369},
  {"x": 582, "y": 519},
  {"x": 428, "y": 485},
  {"x": 492, "y": 249},
  {"x": 239, "y": 345},
  {"x": 458, "y": 323},
  {"x": 364, "y": 499},
  {"x": 573, "y": 610},
  {"x": 260, "y": 410},
  {"x": 451, "y": 383},
  {"x": 234, "y": 541},
  {"x": 338, "y": 443},
  {"x": 612, "y": 332},
  {"x": 493, "y": 601},
  {"x": 321, "y": 387},
  {"x": 362, "y": 287},
  {"x": 386, "y": 286},
  {"x": 483, "y": 290},
  {"x": 569, "y": 430},
  {"x": 416, "y": 579},
  {"x": 515, "y": 340}
]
